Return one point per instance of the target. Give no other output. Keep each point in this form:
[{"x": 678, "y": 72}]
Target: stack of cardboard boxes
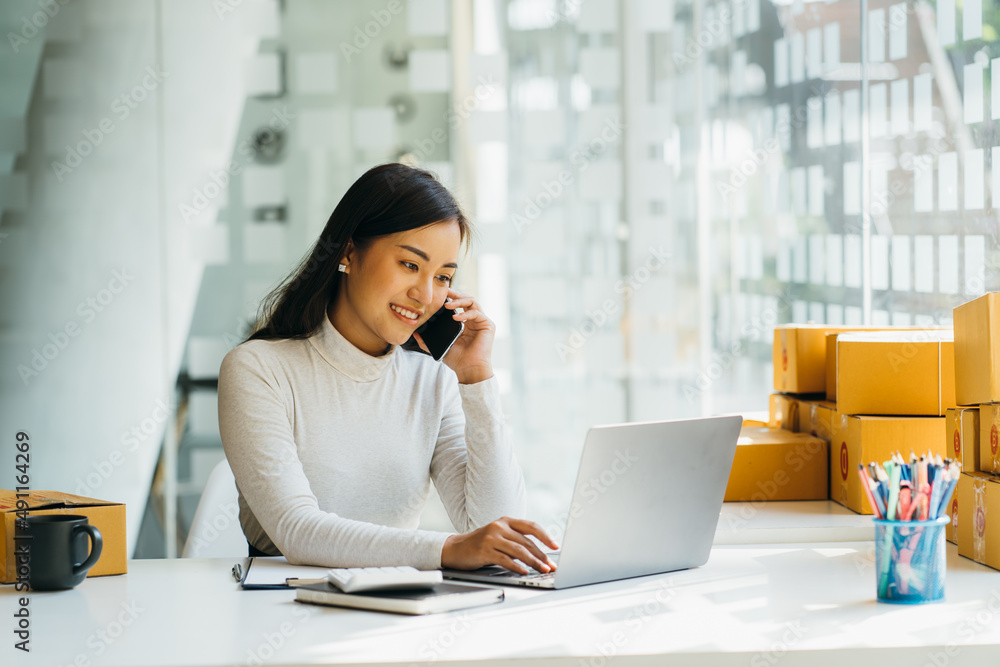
[
  {"x": 897, "y": 388},
  {"x": 973, "y": 429},
  {"x": 805, "y": 376},
  {"x": 893, "y": 389},
  {"x": 801, "y": 401},
  {"x": 789, "y": 459},
  {"x": 849, "y": 395}
]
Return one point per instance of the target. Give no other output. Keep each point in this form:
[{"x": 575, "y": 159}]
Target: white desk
[
  {"x": 760, "y": 605},
  {"x": 791, "y": 521}
]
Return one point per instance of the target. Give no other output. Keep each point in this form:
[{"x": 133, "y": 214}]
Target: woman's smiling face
[{"x": 392, "y": 279}]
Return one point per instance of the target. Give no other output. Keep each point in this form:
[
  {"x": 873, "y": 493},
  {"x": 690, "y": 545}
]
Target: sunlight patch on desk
[
  {"x": 460, "y": 635},
  {"x": 914, "y": 619},
  {"x": 747, "y": 604},
  {"x": 761, "y": 552},
  {"x": 728, "y": 584},
  {"x": 835, "y": 553}
]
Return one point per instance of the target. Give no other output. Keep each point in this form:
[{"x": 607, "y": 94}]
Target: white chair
[{"x": 215, "y": 529}]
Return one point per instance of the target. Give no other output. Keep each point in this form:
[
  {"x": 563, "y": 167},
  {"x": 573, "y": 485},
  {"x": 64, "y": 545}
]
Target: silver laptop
[{"x": 647, "y": 500}]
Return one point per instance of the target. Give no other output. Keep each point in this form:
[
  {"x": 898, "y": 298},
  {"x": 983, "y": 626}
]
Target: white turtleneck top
[{"x": 334, "y": 450}]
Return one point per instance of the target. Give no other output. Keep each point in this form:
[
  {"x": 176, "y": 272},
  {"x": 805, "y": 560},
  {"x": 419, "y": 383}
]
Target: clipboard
[{"x": 269, "y": 572}]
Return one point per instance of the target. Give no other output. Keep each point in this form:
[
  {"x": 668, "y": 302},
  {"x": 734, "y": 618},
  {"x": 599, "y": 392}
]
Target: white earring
[{"x": 342, "y": 268}]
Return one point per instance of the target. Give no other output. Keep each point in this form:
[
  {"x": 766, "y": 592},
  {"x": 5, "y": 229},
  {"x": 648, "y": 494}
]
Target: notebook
[
  {"x": 442, "y": 597},
  {"x": 276, "y": 572}
]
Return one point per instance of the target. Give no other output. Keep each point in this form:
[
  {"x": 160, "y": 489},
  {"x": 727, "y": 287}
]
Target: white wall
[{"x": 114, "y": 214}]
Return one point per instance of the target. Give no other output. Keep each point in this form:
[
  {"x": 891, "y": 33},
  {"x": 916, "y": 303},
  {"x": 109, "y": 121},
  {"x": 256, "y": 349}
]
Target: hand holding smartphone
[{"x": 440, "y": 331}]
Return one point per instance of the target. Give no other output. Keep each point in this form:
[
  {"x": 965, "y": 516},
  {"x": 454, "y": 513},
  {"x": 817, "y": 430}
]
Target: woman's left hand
[{"x": 470, "y": 356}]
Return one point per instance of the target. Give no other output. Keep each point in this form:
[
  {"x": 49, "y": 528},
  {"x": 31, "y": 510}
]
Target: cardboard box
[
  {"x": 831, "y": 354},
  {"x": 863, "y": 439},
  {"x": 799, "y": 358},
  {"x": 988, "y": 457},
  {"x": 979, "y": 518},
  {"x": 962, "y": 436},
  {"x": 108, "y": 517},
  {"x": 784, "y": 412},
  {"x": 750, "y": 417},
  {"x": 775, "y": 464},
  {"x": 951, "y": 530},
  {"x": 831, "y": 366},
  {"x": 896, "y": 372},
  {"x": 962, "y": 443},
  {"x": 977, "y": 350},
  {"x": 816, "y": 418}
]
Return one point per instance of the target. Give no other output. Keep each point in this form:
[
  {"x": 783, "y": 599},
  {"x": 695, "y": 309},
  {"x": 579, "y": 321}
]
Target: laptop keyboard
[
  {"x": 504, "y": 572},
  {"x": 534, "y": 578}
]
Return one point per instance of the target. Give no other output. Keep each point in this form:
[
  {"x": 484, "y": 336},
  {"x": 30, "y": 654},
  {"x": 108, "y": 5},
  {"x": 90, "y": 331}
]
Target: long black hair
[{"x": 387, "y": 199}]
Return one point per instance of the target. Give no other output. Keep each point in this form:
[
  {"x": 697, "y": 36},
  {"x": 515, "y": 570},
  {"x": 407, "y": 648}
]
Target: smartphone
[{"x": 441, "y": 331}]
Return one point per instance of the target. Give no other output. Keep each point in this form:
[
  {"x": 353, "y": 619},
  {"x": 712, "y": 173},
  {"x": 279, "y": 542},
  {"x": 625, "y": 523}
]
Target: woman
[{"x": 334, "y": 431}]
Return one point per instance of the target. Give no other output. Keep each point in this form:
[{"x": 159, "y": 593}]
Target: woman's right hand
[{"x": 499, "y": 543}]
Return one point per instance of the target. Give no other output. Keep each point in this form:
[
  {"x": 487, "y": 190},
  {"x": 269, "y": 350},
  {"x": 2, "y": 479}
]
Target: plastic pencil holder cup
[{"x": 910, "y": 561}]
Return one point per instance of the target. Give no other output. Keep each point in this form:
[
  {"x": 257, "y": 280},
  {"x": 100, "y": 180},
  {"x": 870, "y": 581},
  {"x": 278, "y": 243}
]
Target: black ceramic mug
[{"x": 59, "y": 546}]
